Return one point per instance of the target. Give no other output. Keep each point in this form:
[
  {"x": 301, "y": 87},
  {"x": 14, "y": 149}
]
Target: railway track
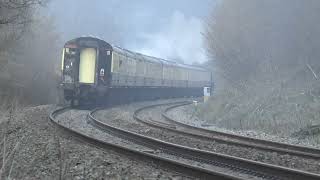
[
  {"x": 186, "y": 160},
  {"x": 240, "y": 140},
  {"x": 164, "y": 161},
  {"x": 222, "y": 137},
  {"x": 245, "y": 169}
]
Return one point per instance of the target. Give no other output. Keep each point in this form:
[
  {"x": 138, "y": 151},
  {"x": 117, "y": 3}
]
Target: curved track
[
  {"x": 166, "y": 162},
  {"x": 226, "y": 164},
  {"x": 238, "y": 139}
]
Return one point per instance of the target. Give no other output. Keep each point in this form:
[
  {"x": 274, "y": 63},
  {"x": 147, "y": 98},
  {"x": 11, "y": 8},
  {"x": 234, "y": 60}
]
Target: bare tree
[
  {"x": 18, "y": 12},
  {"x": 15, "y": 16},
  {"x": 250, "y": 37},
  {"x": 265, "y": 53},
  {"x": 32, "y": 71}
]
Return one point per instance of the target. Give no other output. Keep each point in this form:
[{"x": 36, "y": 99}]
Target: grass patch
[{"x": 280, "y": 111}]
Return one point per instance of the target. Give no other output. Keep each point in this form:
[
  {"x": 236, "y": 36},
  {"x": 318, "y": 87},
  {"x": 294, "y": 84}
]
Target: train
[{"x": 96, "y": 71}]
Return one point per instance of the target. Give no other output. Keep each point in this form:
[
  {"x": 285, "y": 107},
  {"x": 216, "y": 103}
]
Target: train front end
[{"x": 85, "y": 70}]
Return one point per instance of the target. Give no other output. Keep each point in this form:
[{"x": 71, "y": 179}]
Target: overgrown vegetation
[
  {"x": 28, "y": 53},
  {"x": 266, "y": 63}
]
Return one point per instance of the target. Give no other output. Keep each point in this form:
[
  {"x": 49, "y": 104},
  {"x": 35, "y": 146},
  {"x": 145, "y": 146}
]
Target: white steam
[{"x": 180, "y": 39}]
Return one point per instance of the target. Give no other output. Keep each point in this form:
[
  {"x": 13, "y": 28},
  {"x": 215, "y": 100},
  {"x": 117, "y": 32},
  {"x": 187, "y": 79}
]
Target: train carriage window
[
  {"x": 120, "y": 63},
  {"x": 151, "y": 70},
  {"x": 125, "y": 64},
  {"x": 147, "y": 68},
  {"x": 128, "y": 65},
  {"x": 133, "y": 66},
  {"x": 115, "y": 62},
  {"x": 140, "y": 67}
]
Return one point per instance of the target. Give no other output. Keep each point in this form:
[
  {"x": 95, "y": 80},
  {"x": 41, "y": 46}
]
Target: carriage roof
[{"x": 135, "y": 55}]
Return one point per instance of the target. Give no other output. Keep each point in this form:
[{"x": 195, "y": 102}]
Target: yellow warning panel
[{"x": 87, "y": 65}]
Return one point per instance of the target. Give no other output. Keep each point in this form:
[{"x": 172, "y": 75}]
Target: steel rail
[
  {"x": 240, "y": 140},
  {"x": 173, "y": 165},
  {"x": 226, "y": 138},
  {"x": 235, "y": 164}
]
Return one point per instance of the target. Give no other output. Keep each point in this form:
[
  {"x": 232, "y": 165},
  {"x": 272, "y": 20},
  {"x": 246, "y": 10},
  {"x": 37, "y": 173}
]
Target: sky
[{"x": 169, "y": 29}]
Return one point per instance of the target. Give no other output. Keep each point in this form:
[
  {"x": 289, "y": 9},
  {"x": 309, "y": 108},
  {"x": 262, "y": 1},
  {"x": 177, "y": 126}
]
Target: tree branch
[{"x": 314, "y": 74}]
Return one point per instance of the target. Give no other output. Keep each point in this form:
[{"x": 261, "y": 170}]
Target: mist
[
  {"x": 165, "y": 29},
  {"x": 180, "y": 40},
  {"x": 32, "y": 37},
  {"x": 266, "y": 65}
]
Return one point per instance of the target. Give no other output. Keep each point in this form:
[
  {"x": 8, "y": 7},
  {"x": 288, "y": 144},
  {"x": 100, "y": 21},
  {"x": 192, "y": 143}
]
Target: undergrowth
[{"x": 282, "y": 111}]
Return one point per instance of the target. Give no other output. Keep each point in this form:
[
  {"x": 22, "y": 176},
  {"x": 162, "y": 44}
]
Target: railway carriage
[{"x": 94, "y": 70}]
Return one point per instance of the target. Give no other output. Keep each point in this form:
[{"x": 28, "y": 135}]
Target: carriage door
[
  {"x": 87, "y": 65},
  {"x": 104, "y": 64}
]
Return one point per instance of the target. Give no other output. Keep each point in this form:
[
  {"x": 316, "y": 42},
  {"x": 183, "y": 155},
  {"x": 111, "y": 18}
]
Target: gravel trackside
[
  {"x": 121, "y": 116},
  {"x": 185, "y": 114},
  {"x": 34, "y": 150}
]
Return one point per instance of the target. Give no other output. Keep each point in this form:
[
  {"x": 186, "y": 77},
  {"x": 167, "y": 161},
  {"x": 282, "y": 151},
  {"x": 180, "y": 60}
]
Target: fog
[
  {"x": 265, "y": 56},
  {"x": 166, "y": 29},
  {"x": 32, "y": 36}
]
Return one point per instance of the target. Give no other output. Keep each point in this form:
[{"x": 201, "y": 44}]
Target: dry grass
[
  {"x": 278, "y": 110},
  {"x": 265, "y": 68},
  {"x": 7, "y": 152}
]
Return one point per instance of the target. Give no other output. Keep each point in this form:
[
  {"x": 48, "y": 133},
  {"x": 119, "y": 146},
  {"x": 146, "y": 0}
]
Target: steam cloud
[
  {"x": 180, "y": 40},
  {"x": 166, "y": 29}
]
